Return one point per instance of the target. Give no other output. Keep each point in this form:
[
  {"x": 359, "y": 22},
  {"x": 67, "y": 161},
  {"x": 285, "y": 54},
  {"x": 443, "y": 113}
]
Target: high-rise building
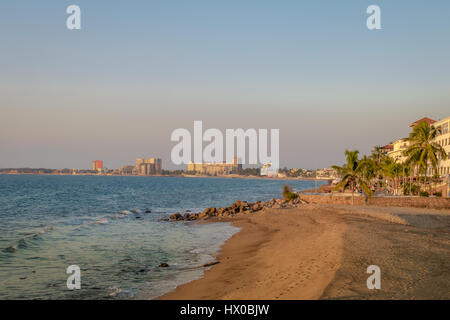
[
  {"x": 97, "y": 165},
  {"x": 148, "y": 167}
]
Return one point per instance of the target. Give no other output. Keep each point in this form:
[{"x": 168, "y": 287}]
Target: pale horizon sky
[{"x": 137, "y": 70}]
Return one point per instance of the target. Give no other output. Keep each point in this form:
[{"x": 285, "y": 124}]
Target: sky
[{"x": 137, "y": 70}]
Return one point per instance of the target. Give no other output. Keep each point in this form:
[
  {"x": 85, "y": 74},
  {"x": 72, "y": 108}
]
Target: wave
[{"x": 22, "y": 243}]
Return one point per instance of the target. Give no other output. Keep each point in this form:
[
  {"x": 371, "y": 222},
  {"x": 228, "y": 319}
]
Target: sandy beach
[{"x": 320, "y": 251}]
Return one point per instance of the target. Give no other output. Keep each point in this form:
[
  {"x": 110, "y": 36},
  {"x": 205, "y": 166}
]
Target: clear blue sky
[{"x": 137, "y": 70}]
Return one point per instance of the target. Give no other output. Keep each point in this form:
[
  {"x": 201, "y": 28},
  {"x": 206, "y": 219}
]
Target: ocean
[{"x": 102, "y": 225}]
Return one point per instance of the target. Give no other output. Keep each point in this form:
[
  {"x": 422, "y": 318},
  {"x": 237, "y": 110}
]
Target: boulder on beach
[
  {"x": 176, "y": 216},
  {"x": 256, "y": 207},
  {"x": 193, "y": 216},
  {"x": 238, "y": 206}
]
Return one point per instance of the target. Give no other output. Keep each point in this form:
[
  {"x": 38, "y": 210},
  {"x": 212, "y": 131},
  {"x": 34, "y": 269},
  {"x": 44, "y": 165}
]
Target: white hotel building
[{"x": 442, "y": 139}]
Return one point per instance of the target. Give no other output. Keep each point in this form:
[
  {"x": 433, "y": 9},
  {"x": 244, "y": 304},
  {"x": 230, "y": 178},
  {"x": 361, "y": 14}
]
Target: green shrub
[
  {"x": 438, "y": 194},
  {"x": 288, "y": 194},
  {"x": 424, "y": 194}
]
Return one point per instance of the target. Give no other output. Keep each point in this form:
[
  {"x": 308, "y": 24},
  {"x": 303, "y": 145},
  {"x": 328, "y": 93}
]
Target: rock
[
  {"x": 176, "y": 216},
  {"x": 186, "y": 216},
  {"x": 163, "y": 265},
  {"x": 10, "y": 249},
  {"x": 209, "y": 212},
  {"x": 114, "y": 291},
  {"x": 148, "y": 211}
]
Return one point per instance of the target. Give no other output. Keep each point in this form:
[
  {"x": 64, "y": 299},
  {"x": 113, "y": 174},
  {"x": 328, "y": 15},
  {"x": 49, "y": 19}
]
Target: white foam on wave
[
  {"x": 103, "y": 221},
  {"x": 197, "y": 250}
]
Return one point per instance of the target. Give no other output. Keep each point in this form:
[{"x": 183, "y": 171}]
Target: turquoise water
[{"x": 48, "y": 223}]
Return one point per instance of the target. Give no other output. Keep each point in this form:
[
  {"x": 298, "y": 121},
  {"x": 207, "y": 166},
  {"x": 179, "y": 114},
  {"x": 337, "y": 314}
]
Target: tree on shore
[
  {"x": 353, "y": 174},
  {"x": 423, "y": 151}
]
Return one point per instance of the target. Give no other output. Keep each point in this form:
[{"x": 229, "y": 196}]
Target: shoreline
[
  {"x": 172, "y": 176},
  {"x": 317, "y": 251}
]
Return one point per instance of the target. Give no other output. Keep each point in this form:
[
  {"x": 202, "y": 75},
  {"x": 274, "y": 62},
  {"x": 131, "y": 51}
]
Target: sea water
[{"x": 100, "y": 224}]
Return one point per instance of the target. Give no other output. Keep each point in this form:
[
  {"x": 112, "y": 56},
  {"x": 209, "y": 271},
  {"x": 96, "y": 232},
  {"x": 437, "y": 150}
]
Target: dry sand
[{"x": 322, "y": 252}]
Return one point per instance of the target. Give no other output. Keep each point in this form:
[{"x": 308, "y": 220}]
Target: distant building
[
  {"x": 268, "y": 170},
  {"x": 97, "y": 165},
  {"x": 326, "y": 173},
  {"x": 148, "y": 167},
  {"x": 215, "y": 169},
  {"x": 126, "y": 170}
]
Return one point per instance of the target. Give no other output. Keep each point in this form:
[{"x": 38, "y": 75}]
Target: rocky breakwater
[{"x": 236, "y": 208}]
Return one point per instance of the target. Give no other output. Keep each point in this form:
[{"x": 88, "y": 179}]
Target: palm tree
[
  {"x": 423, "y": 150},
  {"x": 352, "y": 174},
  {"x": 379, "y": 160},
  {"x": 393, "y": 170}
]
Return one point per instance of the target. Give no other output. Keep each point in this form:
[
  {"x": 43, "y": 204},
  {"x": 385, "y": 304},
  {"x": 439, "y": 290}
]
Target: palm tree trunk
[{"x": 353, "y": 192}]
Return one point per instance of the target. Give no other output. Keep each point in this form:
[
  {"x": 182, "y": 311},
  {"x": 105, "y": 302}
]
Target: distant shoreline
[{"x": 175, "y": 176}]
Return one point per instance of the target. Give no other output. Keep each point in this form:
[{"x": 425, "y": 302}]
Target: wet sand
[{"x": 323, "y": 251}]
